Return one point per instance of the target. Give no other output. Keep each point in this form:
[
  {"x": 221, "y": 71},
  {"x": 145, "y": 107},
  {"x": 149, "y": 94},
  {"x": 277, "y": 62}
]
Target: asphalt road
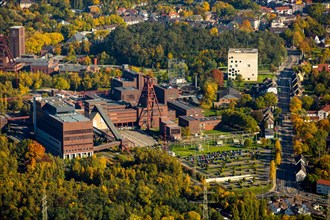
[{"x": 285, "y": 176}]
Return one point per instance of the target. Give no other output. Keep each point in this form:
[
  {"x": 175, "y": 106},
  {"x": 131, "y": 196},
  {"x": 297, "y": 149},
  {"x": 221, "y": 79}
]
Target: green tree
[{"x": 248, "y": 143}]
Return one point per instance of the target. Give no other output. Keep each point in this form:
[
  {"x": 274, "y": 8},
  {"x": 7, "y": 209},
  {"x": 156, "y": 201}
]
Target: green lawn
[
  {"x": 214, "y": 132},
  {"x": 209, "y": 112},
  {"x": 191, "y": 150},
  {"x": 261, "y": 77}
]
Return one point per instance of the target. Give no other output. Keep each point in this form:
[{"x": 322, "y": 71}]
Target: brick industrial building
[
  {"x": 17, "y": 41},
  {"x": 61, "y": 130}
]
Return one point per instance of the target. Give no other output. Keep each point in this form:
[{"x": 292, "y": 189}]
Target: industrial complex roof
[
  {"x": 61, "y": 110},
  {"x": 182, "y": 105}
]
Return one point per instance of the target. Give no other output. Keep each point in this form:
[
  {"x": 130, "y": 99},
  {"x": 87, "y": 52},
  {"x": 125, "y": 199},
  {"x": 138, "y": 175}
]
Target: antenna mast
[
  {"x": 205, "y": 202},
  {"x": 44, "y": 206}
]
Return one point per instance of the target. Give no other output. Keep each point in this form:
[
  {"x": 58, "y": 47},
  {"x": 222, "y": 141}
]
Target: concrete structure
[
  {"x": 323, "y": 187},
  {"x": 61, "y": 130},
  {"x": 17, "y": 41},
  {"x": 243, "y": 61}
]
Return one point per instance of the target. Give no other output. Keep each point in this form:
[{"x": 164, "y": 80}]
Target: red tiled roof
[
  {"x": 323, "y": 182},
  {"x": 282, "y": 8},
  {"x": 326, "y": 108},
  {"x": 265, "y": 8},
  {"x": 321, "y": 67}
]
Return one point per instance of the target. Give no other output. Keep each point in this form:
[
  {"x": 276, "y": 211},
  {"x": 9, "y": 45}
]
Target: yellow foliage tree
[
  {"x": 295, "y": 105},
  {"x": 278, "y": 158},
  {"x": 272, "y": 172},
  {"x": 214, "y": 31},
  {"x": 206, "y": 6},
  {"x": 246, "y": 26}
]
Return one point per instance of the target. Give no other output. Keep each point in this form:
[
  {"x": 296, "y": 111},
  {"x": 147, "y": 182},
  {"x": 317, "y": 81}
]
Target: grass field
[
  {"x": 214, "y": 132},
  {"x": 261, "y": 77},
  {"x": 209, "y": 112}
]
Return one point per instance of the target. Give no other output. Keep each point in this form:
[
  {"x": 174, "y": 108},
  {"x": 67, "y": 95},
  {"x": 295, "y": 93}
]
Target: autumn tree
[
  {"x": 278, "y": 158},
  {"x": 295, "y": 105},
  {"x": 34, "y": 153},
  {"x": 272, "y": 172},
  {"x": 214, "y": 31},
  {"x": 210, "y": 88},
  {"x": 246, "y": 26},
  {"x": 218, "y": 77}
]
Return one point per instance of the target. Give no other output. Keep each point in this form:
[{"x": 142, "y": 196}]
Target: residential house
[
  {"x": 323, "y": 113},
  {"x": 133, "y": 19},
  {"x": 196, "y": 18},
  {"x": 296, "y": 86},
  {"x": 269, "y": 133},
  {"x": 79, "y": 37},
  {"x": 323, "y": 187},
  {"x": 300, "y": 172},
  {"x": 281, "y": 23},
  {"x": 302, "y": 159},
  {"x": 265, "y": 10},
  {"x": 283, "y": 10},
  {"x": 297, "y": 8},
  {"x": 226, "y": 96},
  {"x": 121, "y": 11},
  {"x": 322, "y": 67},
  {"x": 173, "y": 15},
  {"x": 268, "y": 85},
  {"x": 25, "y": 4},
  {"x": 275, "y": 208},
  {"x": 64, "y": 23},
  {"x": 268, "y": 119},
  {"x": 144, "y": 14},
  {"x": 255, "y": 22},
  {"x": 47, "y": 49},
  {"x": 131, "y": 12},
  {"x": 312, "y": 116}
]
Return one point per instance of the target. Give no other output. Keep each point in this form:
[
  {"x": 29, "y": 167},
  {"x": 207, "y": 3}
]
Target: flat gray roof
[
  {"x": 128, "y": 88},
  {"x": 70, "y": 117},
  {"x": 188, "y": 118},
  {"x": 243, "y": 50},
  {"x": 182, "y": 105}
]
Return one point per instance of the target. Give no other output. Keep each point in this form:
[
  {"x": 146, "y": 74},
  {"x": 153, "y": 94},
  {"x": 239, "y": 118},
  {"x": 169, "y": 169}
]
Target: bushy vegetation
[
  {"x": 148, "y": 184},
  {"x": 151, "y": 44}
]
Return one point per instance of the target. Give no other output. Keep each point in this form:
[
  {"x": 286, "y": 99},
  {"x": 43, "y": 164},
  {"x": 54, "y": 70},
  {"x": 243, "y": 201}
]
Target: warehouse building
[{"x": 61, "y": 130}]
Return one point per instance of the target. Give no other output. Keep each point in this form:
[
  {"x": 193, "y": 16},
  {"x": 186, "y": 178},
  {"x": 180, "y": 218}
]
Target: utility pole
[
  {"x": 44, "y": 206},
  {"x": 205, "y": 202}
]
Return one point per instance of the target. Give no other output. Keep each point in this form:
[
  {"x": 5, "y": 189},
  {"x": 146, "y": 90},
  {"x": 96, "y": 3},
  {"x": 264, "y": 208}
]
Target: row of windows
[
  {"x": 235, "y": 61},
  {"x": 79, "y": 131},
  {"x": 80, "y": 149},
  {"x": 78, "y": 137},
  {"x": 70, "y": 145}
]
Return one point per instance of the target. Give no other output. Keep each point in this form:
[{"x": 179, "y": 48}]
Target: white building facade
[{"x": 243, "y": 61}]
